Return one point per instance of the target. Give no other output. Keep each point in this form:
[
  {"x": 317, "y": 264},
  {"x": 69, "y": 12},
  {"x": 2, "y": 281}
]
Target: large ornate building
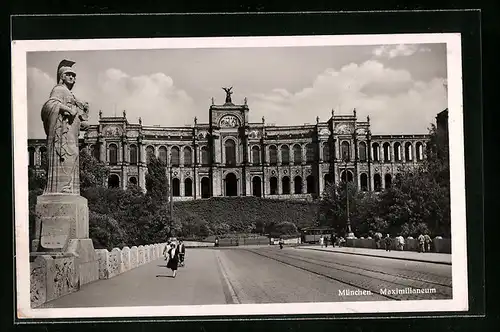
[{"x": 231, "y": 156}]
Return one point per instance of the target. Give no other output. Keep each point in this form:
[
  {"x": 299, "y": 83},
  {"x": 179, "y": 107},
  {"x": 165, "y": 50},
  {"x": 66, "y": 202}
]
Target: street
[{"x": 266, "y": 274}]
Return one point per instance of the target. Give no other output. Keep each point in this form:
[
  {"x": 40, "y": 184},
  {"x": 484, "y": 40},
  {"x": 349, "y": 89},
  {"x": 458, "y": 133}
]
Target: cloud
[
  {"x": 39, "y": 86},
  {"x": 392, "y": 51},
  {"x": 395, "y": 102},
  {"x": 152, "y": 97}
]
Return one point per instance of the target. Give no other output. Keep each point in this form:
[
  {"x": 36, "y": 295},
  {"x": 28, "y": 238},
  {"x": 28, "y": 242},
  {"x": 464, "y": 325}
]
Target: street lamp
[
  {"x": 350, "y": 234},
  {"x": 170, "y": 189}
]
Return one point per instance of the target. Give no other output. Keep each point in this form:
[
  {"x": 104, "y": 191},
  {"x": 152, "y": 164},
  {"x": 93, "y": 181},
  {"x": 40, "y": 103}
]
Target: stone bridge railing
[{"x": 53, "y": 277}]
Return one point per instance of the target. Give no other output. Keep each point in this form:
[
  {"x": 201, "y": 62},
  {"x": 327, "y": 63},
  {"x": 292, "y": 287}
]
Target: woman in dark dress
[{"x": 173, "y": 261}]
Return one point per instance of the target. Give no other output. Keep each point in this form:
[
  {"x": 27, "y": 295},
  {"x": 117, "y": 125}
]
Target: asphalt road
[
  {"x": 270, "y": 275},
  {"x": 266, "y": 275}
]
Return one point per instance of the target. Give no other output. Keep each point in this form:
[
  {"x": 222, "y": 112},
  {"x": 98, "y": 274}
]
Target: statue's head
[{"x": 66, "y": 74}]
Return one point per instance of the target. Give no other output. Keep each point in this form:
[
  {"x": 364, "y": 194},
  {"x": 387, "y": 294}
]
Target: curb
[{"x": 370, "y": 255}]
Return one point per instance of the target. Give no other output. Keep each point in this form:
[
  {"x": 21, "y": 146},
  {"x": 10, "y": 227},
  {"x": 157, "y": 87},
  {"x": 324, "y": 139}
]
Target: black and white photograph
[{"x": 239, "y": 176}]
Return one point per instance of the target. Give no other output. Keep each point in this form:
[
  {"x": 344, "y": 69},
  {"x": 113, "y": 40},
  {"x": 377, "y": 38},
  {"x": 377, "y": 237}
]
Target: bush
[{"x": 106, "y": 232}]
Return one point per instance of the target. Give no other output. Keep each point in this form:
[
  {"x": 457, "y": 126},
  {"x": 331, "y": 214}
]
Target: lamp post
[
  {"x": 350, "y": 234},
  {"x": 170, "y": 190}
]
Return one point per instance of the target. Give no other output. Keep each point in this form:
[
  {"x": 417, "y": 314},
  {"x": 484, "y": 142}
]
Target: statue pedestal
[
  {"x": 62, "y": 232},
  {"x": 350, "y": 236}
]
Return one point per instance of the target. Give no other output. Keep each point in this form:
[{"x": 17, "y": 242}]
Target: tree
[
  {"x": 333, "y": 205},
  {"x": 156, "y": 179},
  {"x": 93, "y": 173}
]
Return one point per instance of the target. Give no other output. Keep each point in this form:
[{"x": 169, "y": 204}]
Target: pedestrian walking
[
  {"x": 173, "y": 260},
  {"x": 182, "y": 253},
  {"x": 401, "y": 242},
  {"x": 378, "y": 239},
  {"x": 387, "y": 242},
  {"x": 428, "y": 241},
  {"x": 421, "y": 243},
  {"x": 216, "y": 241},
  {"x": 321, "y": 241},
  {"x": 326, "y": 241},
  {"x": 281, "y": 243}
]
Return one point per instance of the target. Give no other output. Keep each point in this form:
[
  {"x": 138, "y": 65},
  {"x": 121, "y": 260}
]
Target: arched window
[
  {"x": 96, "y": 153},
  {"x": 256, "y": 186},
  {"x": 311, "y": 187},
  {"x": 346, "y": 152},
  {"x": 362, "y": 151},
  {"x": 285, "y": 185},
  {"x": 387, "y": 151},
  {"x": 297, "y": 154},
  {"x": 326, "y": 152},
  {"x": 176, "y": 187},
  {"x": 273, "y": 155},
  {"x": 388, "y": 180},
  {"x": 397, "y": 151},
  {"x": 285, "y": 154},
  {"x": 31, "y": 154},
  {"x": 132, "y": 180},
  {"x": 175, "y": 155},
  {"x": 113, "y": 181},
  {"x": 375, "y": 152},
  {"x": 349, "y": 176},
  {"x": 328, "y": 179},
  {"x": 256, "y": 155},
  {"x": 364, "y": 182},
  {"x": 150, "y": 152},
  {"x": 188, "y": 156},
  {"x": 43, "y": 156},
  {"x": 297, "y": 183},
  {"x": 205, "y": 187},
  {"x": 273, "y": 182},
  {"x": 309, "y": 153},
  {"x": 204, "y": 156},
  {"x": 420, "y": 151},
  {"x": 188, "y": 187},
  {"x": 377, "y": 182},
  {"x": 113, "y": 154},
  {"x": 133, "y": 154},
  {"x": 230, "y": 149},
  {"x": 408, "y": 152},
  {"x": 162, "y": 154}
]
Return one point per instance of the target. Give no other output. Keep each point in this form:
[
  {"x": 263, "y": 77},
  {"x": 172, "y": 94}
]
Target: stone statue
[
  {"x": 140, "y": 120},
  {"x": 61, "y": 236},
  {"x": 63, "y": 117},
  {"x": 245, "y": 100},
  {"x": 228, "y": 94},
  {"x": 195, "y": 120},
  {"x": 213, "y": 101},
  {"x": 124, "y": 113},
  {"x": 100, "y": 114}
]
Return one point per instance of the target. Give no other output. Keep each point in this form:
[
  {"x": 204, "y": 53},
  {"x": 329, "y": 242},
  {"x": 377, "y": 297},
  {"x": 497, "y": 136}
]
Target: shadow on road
[
  {"x": 163, "y": 276},
  {"x": 161, "y": 265}
]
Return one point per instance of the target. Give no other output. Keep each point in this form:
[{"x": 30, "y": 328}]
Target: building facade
[{"x": 231, "y": 156}]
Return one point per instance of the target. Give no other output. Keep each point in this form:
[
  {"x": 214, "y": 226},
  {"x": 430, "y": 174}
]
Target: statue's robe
[{"x": 62, "y": 129}]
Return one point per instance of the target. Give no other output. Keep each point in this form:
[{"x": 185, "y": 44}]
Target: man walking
[
  {"x": 182, "y": 253},
  {"x": 388, "y": 242}
]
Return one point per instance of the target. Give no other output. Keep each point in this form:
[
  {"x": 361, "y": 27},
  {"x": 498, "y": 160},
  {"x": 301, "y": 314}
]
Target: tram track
[
  {"x": 359, "y": 277},
  {"x": 399, "y": 275}
]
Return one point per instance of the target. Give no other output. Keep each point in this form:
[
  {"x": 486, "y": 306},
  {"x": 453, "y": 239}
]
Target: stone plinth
[
  {"x": 126, "y": 259},
  {"x": 52, "y": 277},
  {"x": 60, "y": 218},
  {"x": 86, "y": 263}
]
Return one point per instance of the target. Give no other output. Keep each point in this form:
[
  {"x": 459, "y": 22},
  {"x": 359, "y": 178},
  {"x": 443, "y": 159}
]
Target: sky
[{"x": 401, "y": 87}]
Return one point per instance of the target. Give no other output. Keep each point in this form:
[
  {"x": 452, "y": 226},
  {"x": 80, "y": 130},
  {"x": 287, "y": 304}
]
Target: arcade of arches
[{"x": 239, "y": 158}]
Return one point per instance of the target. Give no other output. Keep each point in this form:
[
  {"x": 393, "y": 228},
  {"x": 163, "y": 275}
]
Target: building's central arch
[{"x": 231, "y": 185}]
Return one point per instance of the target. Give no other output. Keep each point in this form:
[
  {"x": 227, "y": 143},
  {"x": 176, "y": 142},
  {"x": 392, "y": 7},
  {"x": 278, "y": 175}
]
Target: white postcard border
[{"x": 457, "y": 176}]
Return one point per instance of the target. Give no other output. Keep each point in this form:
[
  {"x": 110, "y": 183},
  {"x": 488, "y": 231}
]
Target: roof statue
[{"x": 228, "y": 94}]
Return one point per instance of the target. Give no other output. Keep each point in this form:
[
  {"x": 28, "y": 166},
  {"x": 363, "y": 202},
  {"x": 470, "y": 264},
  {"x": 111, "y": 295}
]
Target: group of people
[
  {"x": 174, "y": 255},
  {"x": 424, "y": 242},
  {"x": 332, "y": 239}
]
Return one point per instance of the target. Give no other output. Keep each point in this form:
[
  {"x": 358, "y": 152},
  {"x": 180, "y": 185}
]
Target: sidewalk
[{"x": 428, "y": 257}]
